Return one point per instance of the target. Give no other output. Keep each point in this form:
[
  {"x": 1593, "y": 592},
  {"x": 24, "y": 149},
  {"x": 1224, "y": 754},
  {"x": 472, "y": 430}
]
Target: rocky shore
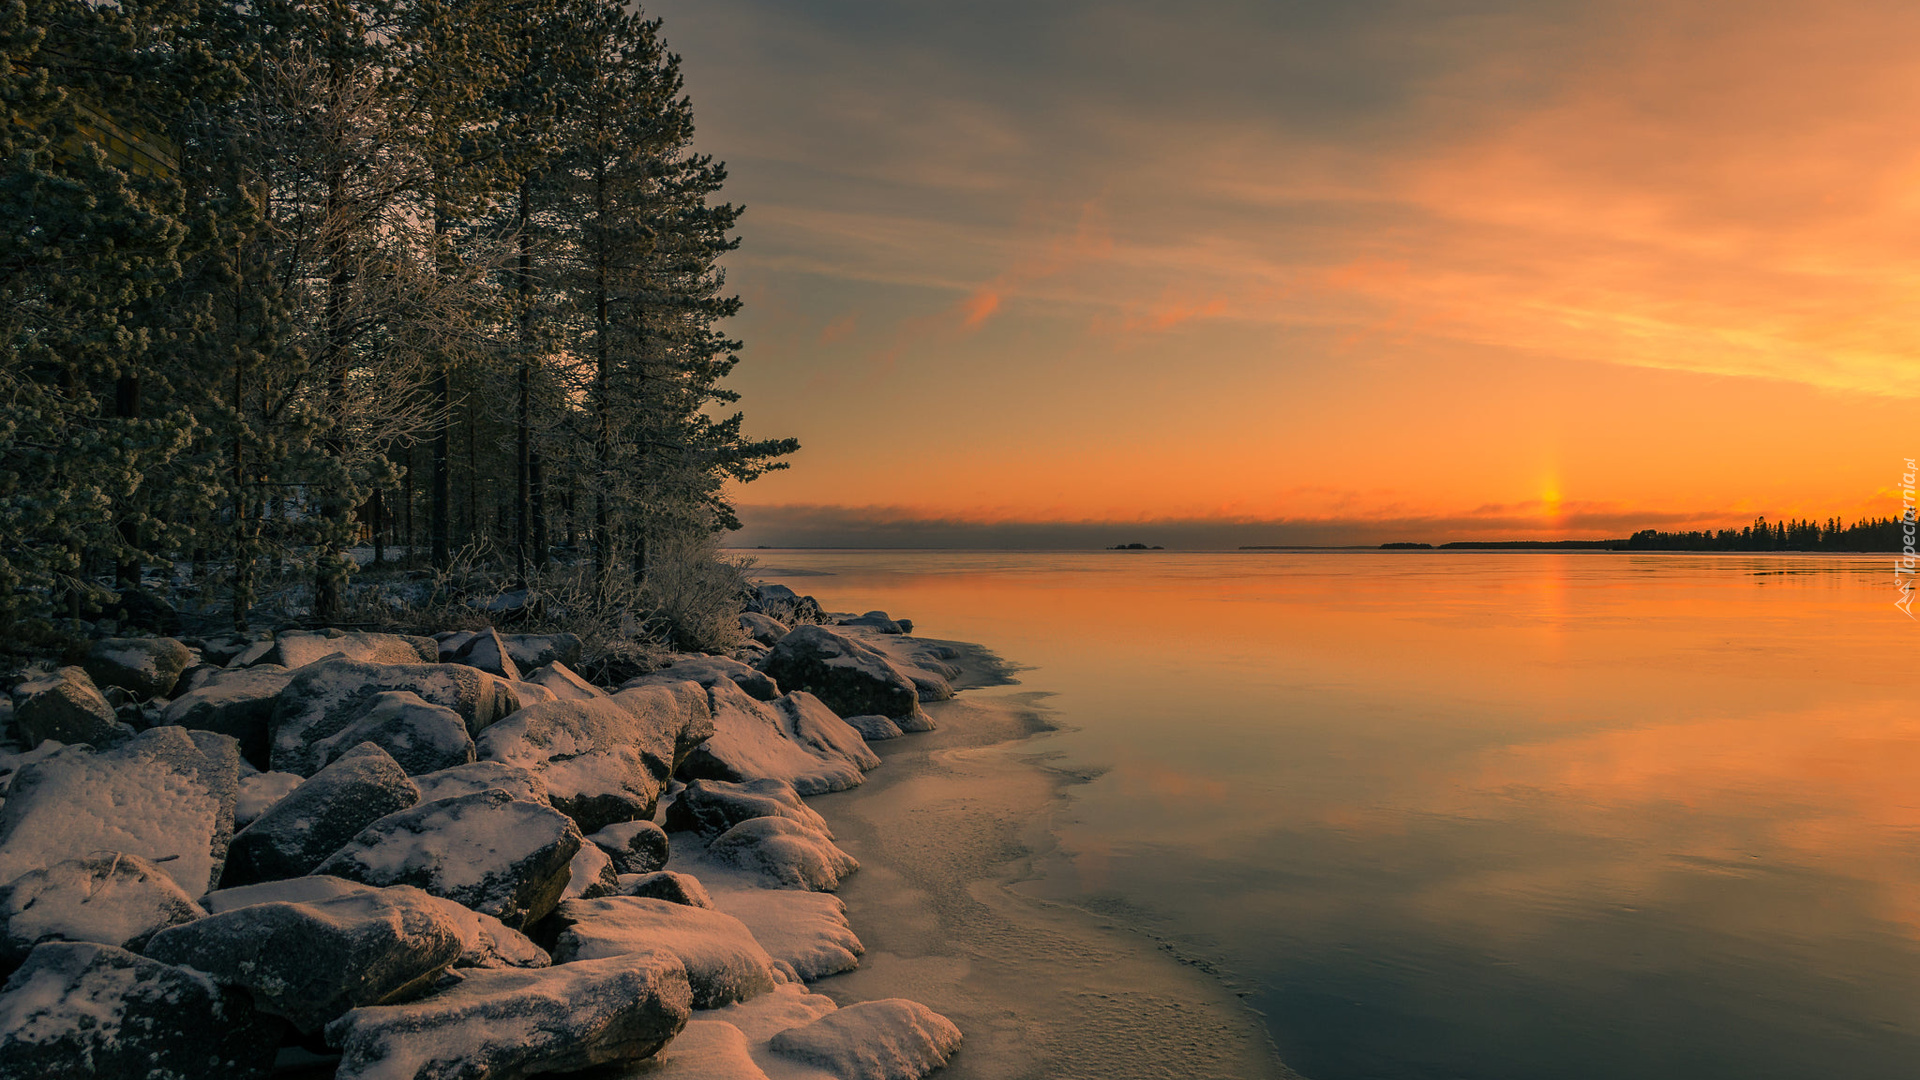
[{"x": 368, "y": 855}]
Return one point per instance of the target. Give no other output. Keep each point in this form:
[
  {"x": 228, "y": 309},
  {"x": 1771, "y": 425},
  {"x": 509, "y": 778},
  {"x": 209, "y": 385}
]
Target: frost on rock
[
  {"x": 601, "y": 762},
  {"x": 890, "y": 1039},
  {"x": 86, "y": 1010},
  {"x": 530, "y": 651},
  {"x": 325, "y": 697},
  {"x": 668, "y": 885},
  {"x": 509, "y": 1023},
  {"x": 166, "y": 795},
  {"x": 724, "y": 963},
  {"x": 564, "y": 684},
  {"x": 421, "y": 736},
  {"x": 679, "y": 709},
  {"x": 709, "y": 807},
  {"x": 636, "y": 847},
  {"x": 875, "y": 728},
  {"x": 486, "y": 651},
  {"x": 764, "y": 629},
  {"x": 144, "y": 667},
  {"x": 706, "y": 1050},
  {"x": 310, "y": 961},
  {"x": 707, "y": 670},
  {"x": 318, "y": 817},
  {"x": 481, "y": 776},
  {"x": 236, "y": 702},
  {"x": 808, "y": 930},
  {"x": 783, "y": 854},
  {"x": 853, "y": 678},
  {"x": 488, "y": 851},
  {"x": 65, "y": 707},
  {"x": 104, "y": 897},
  {"x": 484, "y": 941},
  {"x": 298, "y": 648},
  {"x": 259, "y": 791},
  {"x": 796, "y": 739},
  {"x": 591, "y": 874}
]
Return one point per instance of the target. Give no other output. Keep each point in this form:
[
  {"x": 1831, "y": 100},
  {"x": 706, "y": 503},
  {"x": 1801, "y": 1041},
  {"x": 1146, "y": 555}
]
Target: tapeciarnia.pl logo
[{"x": 1903, "y": 568}]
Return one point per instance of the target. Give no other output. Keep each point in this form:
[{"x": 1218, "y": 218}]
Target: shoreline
[{"x": 945, "y": 832}]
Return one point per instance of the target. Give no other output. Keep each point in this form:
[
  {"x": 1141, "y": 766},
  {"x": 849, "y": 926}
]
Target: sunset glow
[{"x": 1361, "y": 271}]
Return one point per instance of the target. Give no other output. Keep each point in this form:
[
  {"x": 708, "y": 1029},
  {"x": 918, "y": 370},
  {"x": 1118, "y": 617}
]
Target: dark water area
[{"x": 1477, "y": 814}]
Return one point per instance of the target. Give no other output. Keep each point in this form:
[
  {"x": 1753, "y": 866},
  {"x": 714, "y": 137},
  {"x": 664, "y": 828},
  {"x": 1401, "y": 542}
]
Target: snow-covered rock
[
  {"x": 711, "y": 807},
  {"x": 421, "y": 736},
  {"x": 486, "y": 651},
  {"x": 85, "y": 1010},
  {"x": 236, "y": 702},
  {"x": 508, "y": 1023},
  {"x": 166, "y": 795},
  {"x": 103, "y": 897},
  {"x": 482, "y": 776},
  {"x": 310, "y": 961},
  {"x": 636, "y": 847},
  {"x": 498, "y": 855},
  {"x": 145, "y": 667},
  {"x": 807, "y": 930},
  {"x": 298, "y": 648},
  {"x": 796, "y": 739},
  {"x": 877, "y": 621},
  {"x": 668, "y": 885},
  {"x": 707, "y": 670},
  {"x": 706, "y": 1050},
  {"x": 325, "y": 697},
  {"x": 852, "y": 678},
  {"x": 764, "y": 629},
  {"x": 564, "y": 683},
  {"x": 530, "y": 651},
  {"x": 67, "y": 707},
  {"x": 590, "y": 875},
  {"x": 600, "y": 761},
  {"x": 783, "y": 853},
  {"x": 360, "y": 787},
  {"x": 875, "y": 727},
  {"x": 784, "y": 604},
  {"x": 680, "y": 709},
  {"x": 724, "y": 963},
  {"x": 890, "y": 1039},
  {"x": 484, "y": 941},
  {"x": 259, "y": 791}
]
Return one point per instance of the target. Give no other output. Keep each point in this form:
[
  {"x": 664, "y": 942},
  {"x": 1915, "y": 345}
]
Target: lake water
[{"x": 1479, "y": 815}]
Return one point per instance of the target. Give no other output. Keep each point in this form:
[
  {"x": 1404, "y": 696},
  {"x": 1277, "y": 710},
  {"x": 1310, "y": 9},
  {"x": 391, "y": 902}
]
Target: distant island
[{"x": 1136, "y": 547}]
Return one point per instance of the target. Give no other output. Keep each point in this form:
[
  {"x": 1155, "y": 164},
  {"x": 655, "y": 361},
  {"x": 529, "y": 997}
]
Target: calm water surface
[{"x": 1480, "y": 814}]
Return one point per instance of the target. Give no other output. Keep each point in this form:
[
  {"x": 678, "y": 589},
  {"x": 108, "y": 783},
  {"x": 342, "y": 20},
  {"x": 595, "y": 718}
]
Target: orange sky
[{"x": 1352, "y": 272}]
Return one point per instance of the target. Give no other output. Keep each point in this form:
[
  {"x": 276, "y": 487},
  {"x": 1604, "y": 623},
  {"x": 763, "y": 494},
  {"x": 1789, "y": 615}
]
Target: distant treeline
[{"x": 1868, "y": 534}]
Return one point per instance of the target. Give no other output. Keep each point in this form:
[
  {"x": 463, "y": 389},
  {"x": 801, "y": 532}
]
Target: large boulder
[
  {"x": 166, "y": 795},
  {"x": 312, "y": 960},
  {"x": 723, "y": 962},
  {"x": 783, "y": 853},
  {"x": 636, "y": 847},
  {"x": 707, "y": 670},
  {"x": 498, "y": 855},
  {"x": 531, "y": 651},
  {"x": 486, "y": 651},
  {"x": 144, "y": 667},
  {"x": 852, "y": 678},
  {"x": 682, "y": 709},
  {"x": 764, "y": 629},
  {"x": 325, "y": 697},
  {"x": 259, "y": 791},
  {"x": 421, "y": 736},
  {"x": 298, "y": 648},
  {"x": 875, "y": 728},
  {"x": 319, "y": 817},
  {"x": 79, "y": 1011},
  {"x": 67, "y": 707},
  {"x": 878, "y": 621},
  {"x": 485, "y": 942},
  {"x": 564, "y": 683},
  {"x": 236, "y": 702},
  {"x": 796, "y": 739},
  {"x": 506, "y": 1024},
  {"x": 482, "y": 776},
  {"x": 710, "y": 807},
  {"x": 808, "y": 931},
  {"x": 590, "y": 874},
  {"x": 104, "y": 897},
  {"x": 786, "y": 605},
  {"x": 889, "y": 1039},
  {"x": 603, "y": 761}
]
